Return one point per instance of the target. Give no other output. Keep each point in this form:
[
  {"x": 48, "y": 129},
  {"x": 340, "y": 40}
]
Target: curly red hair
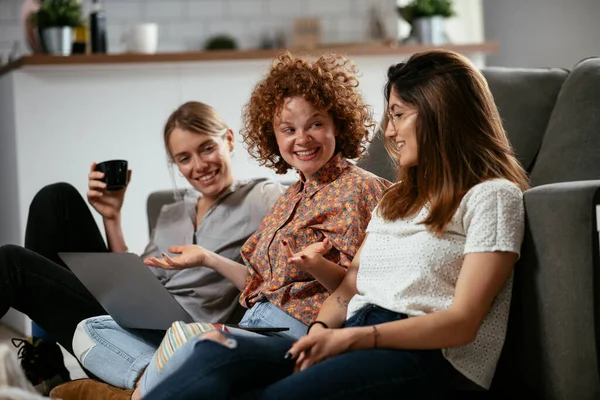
[{"x": 328, "y": 84}]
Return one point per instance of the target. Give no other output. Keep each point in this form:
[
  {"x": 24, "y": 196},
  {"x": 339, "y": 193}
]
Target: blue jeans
[
  {"x": 256, "y": 369},
  {"x": 116, "y": 355},
  {"x": 119, "y": 356}
]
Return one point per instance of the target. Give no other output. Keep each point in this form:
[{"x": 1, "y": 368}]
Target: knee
[
  {"x": 52, "y": 192},
  {"x": 219, "y": 337},
  {"x": 9, "y": 252}
]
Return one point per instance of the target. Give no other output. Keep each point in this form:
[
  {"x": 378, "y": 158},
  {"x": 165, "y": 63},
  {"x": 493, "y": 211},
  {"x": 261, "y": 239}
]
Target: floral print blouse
[{"x": 336, "y": 204}]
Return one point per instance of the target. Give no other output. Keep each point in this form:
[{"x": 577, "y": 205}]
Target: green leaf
[
  {"x": 57, "y": 13},
  {"x": 220, "y": 42},
  {"x": 426, "y": 8}
]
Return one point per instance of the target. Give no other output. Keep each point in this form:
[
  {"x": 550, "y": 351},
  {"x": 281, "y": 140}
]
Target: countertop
[{"x": 225, "y": 55}]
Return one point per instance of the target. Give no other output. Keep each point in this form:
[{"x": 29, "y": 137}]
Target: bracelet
[
  {"x": 323, "y": 324},
  {"x": 375, "y": 336}
]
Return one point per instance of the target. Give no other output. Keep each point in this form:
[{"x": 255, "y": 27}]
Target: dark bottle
[
  {"x": 98, "y": 28},
  {"x": 80, "y": 39}
]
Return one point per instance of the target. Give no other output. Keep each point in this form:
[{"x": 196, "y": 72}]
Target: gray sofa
[
  {"x": 552, "y": 345},
  {"x": 552, "y": 117}
]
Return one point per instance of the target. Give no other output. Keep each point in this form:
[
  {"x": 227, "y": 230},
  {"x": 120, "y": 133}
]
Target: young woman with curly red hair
[{"x": 307, "y": 116}]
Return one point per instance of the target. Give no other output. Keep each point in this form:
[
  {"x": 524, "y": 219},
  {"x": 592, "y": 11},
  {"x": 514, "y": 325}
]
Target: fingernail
[
  {"x": 303, "y": 257},
  {"x": 284, "y": 242},
  {"x": 288, "y": 356}
]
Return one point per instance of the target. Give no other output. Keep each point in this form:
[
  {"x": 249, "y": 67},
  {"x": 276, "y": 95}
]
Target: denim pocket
[{"x": 372, "y": 315}]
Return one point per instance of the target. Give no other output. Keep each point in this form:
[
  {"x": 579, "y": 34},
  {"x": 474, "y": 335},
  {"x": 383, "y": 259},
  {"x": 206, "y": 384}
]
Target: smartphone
[{"x": 258, "y": 329}]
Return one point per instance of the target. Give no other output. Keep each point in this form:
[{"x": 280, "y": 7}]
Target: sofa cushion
[
  {"x": 525, "y": 99},
  {"x": 570, "y": 149},
  {"x": 156, "y": 200},
  {"x": 377, "y": 160}
]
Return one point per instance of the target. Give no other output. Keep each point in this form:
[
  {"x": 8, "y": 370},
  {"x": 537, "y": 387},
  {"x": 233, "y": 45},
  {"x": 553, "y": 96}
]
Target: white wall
[
  {"x": 9, "y": 185},
  {"x": 465, "y": 27},
  {"x": 542, "y": 33},
  {"x": 186, "y": 24},
  {"x": 10, "y": 223}
]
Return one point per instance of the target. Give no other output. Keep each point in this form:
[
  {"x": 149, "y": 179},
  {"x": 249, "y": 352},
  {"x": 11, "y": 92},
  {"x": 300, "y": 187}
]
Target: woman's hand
[
  {"x": 190, "y": 256},
  {"x": 322, "y": 343},
  {"x": 107, "y": 203},
  {"x": 308, "y": 258}
]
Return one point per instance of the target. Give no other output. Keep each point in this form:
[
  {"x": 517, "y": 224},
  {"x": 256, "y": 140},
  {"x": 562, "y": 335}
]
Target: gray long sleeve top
[{"x": 205, "y": 294}]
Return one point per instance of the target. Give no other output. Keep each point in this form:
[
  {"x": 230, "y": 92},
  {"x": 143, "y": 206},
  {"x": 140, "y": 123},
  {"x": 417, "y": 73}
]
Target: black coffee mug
[{"x": 115, "y": 173}]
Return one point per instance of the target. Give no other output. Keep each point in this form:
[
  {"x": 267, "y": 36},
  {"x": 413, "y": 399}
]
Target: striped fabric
[{"x": 177, "y": 335}]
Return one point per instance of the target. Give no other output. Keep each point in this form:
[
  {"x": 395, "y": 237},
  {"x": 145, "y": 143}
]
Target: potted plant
[
  {"x": 220, "y": 42},
  {"x": 55, "y": 20},
  {"x": 427, "y": 19}
]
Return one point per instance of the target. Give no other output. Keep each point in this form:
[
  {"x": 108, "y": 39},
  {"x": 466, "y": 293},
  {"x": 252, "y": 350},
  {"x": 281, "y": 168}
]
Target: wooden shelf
[{"x": 226, "y": 55}]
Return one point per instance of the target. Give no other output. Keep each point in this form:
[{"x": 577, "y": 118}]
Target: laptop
[
  {"x": 127, "y": 289},
  {"x": 131, "y": 294}
]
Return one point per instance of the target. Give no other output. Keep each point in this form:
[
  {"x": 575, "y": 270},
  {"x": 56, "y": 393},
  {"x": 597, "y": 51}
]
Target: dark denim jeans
[{"x": 256, "y": 369}]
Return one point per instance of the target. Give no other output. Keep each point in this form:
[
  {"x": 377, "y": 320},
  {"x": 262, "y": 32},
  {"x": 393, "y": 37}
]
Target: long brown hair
[{"x": 460, "y": 138}]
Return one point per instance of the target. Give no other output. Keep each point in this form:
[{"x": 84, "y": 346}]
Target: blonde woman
[{"x": 218, "y": 211}]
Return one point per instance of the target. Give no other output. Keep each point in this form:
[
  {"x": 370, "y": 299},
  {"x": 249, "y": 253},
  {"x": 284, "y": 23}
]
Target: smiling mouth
[
  {"x": 400, "y": 145},
  {"x": 208, "y": 176},
  {"x": 306, "y": 154}
]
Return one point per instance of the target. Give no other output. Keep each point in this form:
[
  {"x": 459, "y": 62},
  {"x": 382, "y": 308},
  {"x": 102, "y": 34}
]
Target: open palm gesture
[{"x": 189, "y": 256}]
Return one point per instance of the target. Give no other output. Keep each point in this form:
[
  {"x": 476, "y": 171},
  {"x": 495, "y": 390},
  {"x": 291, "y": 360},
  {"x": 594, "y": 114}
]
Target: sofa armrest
[{"x": 551, "y": 349}]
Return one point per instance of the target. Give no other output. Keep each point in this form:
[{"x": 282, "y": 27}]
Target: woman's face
[
  {"x": 305, "y": 135},
  {"x": 204, "y": 160},
  {"x": 402, "y": 130}
]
